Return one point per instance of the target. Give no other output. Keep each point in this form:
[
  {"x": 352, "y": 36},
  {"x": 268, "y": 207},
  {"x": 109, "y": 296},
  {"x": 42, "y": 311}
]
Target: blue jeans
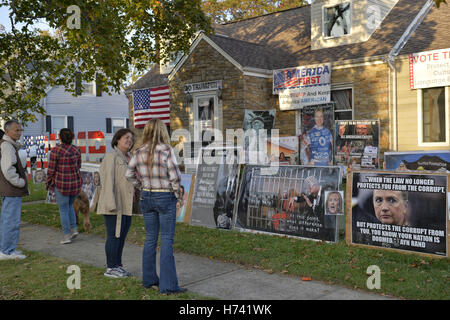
[
  {"x": 9, "y": 224},
  {"x": 114, "y": 246},
  {"x": 66, "y": 211},
  {"x": 159, "y": 210}
]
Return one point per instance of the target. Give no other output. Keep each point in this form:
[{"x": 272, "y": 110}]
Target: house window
[
  {"x": 58, "y": 123},
  {"x": 337, "y": 20},
  {"x": 343, "y": 100},
  {"x": 433, "y": 114},
  {"x": 118, "y": 124},
  {"x": 205, "y": 114}
]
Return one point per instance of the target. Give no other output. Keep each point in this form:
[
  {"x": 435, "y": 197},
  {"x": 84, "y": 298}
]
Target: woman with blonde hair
[{"x": 154, "y": 169}]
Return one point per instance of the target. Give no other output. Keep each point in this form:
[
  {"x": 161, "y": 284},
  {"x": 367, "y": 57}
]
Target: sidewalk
[{"x": 201, "y": 275}]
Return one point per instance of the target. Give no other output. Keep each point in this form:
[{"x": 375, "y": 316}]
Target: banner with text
[
  {"x": 429, "y": 69},
  {"x": 302, "y": 86}
]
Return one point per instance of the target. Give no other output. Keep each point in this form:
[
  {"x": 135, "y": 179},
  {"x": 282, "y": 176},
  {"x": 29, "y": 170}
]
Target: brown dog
[{"x": 81, "y": 204}]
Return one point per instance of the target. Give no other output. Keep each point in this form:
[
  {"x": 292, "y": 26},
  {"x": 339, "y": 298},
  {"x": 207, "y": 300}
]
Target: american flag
[{"x": 151, "y": 103}]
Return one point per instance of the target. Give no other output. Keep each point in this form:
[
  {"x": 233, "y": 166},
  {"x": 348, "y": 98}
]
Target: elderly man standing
[{"x": 13, "y": 186}]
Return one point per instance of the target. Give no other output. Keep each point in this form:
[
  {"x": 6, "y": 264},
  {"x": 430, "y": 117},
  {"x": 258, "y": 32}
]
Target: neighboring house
[
  {"x": 90, "y": 111},
  {"x": 367, "y": 42}
]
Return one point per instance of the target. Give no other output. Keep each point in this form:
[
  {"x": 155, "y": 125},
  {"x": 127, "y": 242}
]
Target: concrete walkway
[{"x": 226, "y": 281}]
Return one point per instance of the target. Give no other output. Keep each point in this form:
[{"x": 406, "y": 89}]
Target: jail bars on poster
[
  {"x": 403, "y": 211},
  {"x": 215, "y": 189},
  {"x": 291, "y": 201}
]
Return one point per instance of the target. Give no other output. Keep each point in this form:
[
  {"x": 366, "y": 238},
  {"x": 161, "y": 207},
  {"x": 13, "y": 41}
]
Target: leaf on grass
[
  {"x": 396, "y": 270},
  {"x": 347, "y": 276},
  {"x": 413, "y": 265},
  {"x": 270, "y": 271},
  {"x": 306, "y": 279},
  {"x": 400, "y": 279},
  {"x": 284, "y": 271},
  {"x": 259, "y": 249}
]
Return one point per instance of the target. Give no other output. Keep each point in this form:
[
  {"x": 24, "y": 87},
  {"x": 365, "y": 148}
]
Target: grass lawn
[
  {"x": 37, "y": 192},
  {"x": 41, "y": 277},
  {"x": 402, "y": 275}
]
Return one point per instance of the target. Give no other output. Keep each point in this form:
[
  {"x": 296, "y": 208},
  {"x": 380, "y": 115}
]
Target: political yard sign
[
  {"x": 405, "y": 211},
  {"x": 302, "y": 86}
]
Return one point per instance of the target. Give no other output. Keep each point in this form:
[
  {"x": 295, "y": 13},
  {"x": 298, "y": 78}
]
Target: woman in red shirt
[{"x": 64, "y": 178}]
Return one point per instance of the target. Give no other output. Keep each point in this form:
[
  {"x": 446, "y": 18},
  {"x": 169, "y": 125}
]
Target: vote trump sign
[{"x": 429, "y": 69}]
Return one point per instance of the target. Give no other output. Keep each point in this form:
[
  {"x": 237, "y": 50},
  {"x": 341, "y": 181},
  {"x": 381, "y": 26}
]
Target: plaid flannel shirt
[
  {"x": 64, "y": 169},
  {"x": 165, "y": 173}
]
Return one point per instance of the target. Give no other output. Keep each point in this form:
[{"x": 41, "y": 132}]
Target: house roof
[
  {"x": 288, "y": 34},
  {"x": 152, "y": 78},
  {"x": 283, "y": 39}
]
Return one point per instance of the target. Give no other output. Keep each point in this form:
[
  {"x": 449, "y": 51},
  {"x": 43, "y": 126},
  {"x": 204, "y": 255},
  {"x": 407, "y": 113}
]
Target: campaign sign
[
  {"x": 317, "y": 137},
  {"x": 288, "y": 201},
  {"x": 215, "y": 189},
  {"x": 357, "y": 144},
  {"x": 402, "y": 211},
  {"x": 432, "y": 160}
]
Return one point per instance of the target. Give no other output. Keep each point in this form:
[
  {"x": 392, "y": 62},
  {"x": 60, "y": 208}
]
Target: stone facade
[{"x": 240, "y": 92}]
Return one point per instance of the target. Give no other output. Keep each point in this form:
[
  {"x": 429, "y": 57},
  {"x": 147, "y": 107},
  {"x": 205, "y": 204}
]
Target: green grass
[
  {"x": 402, "y": 275},
  {"x": 37, "y": 192},
  {"x": 42, "y": 277}
]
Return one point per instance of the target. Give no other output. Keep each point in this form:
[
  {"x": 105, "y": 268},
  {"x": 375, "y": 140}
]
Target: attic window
[{"x": 337, "y": 20}]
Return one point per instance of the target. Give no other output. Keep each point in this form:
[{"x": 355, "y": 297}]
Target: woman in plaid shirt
[
  {"x": 154, "y": 169},
  {"x": 64, "y": 178}
]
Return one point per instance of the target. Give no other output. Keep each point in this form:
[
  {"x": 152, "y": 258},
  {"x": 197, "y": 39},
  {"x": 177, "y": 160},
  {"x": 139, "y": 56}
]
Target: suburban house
[
  {"x": 90, "y": 110},
  {"x": 369, "y": 51}
]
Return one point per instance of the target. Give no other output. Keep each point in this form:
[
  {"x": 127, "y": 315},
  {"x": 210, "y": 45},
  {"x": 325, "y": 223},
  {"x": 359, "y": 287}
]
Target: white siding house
[{"x": 87, "y": 112}]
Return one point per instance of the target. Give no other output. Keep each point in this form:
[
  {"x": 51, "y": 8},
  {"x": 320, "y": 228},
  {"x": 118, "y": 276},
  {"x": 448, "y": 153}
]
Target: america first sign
[
  {"x": 202, "y": 86},
  {"x": 302, "y": 86},
  {"x": 429, "y": 69}
]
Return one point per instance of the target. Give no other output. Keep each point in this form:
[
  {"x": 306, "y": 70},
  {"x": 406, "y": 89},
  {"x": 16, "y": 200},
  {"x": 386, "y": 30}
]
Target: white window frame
[
  {"x": 345, "y": 86},
  {"x": 324, "y": 7},
  {"x": 196, "y": 97},
  {"x": 53, "y": 123},
  {"x": 420, "y": 142},
  {"x": 118, "y": 118}
]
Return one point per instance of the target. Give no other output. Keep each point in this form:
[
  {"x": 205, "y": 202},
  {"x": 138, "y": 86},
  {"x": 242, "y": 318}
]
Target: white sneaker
[
  {"x": 67, "y": 239},
  {"x": 74, "y": 234},
  {"x": 14, "y": 255},
  {"x": 124, "y": 272},
  {"x": 114, "y": 273},
  {"x": 17, "y": 254}
]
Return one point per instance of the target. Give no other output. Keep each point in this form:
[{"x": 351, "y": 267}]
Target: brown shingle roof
[
  {"x": 152, "y": 78},
  {"x": 289, "y": 33},
  {"x": 283, "y": 39}
]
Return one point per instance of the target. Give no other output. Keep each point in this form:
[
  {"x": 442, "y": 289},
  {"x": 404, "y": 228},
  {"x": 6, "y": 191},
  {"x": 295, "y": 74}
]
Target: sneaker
[
  {"x": 74, "y": 234},
  {"x": 17, "y": 254},
  {"x": 67, "y": 239},
  {"x": 113, "y": 273},
  {"x": 125, "y": 272},
  {"x": 13, "y": 256}
]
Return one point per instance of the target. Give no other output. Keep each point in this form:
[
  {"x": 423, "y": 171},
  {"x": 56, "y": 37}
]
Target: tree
[
  {"x": 94, "y": 38},
  {"x": 221, "y": 11}
]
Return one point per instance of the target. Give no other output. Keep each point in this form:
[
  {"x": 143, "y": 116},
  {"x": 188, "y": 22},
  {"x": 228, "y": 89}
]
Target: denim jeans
[
  {"x": 66, "y": 211},
  {"x": 114, "y": 246},
  {"x": 9, "y": 224},
  {"x": 159, "y": 211}
]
